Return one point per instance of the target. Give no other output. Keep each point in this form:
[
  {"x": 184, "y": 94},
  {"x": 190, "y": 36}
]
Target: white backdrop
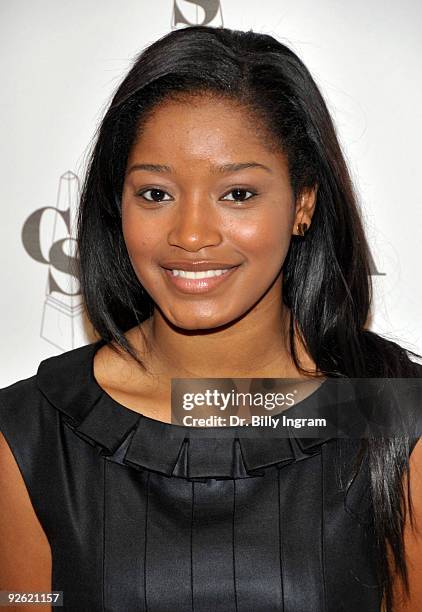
[{"x": 61, "y": 61}]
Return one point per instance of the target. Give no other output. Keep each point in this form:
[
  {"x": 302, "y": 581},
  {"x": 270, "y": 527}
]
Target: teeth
[{"x": 195, "y": 275}]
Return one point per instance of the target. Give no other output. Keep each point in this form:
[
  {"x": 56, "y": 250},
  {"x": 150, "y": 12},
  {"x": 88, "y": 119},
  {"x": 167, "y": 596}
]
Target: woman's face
[{"x": 202, "y": 185}]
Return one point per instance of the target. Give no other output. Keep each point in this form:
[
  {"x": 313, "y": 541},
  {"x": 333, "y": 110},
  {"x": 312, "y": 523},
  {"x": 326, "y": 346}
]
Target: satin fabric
[{"x": 148, "y": 516}]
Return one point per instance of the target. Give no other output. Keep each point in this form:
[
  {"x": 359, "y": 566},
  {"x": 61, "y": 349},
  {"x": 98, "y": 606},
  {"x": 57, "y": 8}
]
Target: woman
[{"x": 217, "y": 152}]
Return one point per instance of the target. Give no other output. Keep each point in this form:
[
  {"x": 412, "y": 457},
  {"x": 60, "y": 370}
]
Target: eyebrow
[
  {"x": 223, "y": 169},
  {"x": 242, "y": 166},
  {"x": 150, "y": 168}
]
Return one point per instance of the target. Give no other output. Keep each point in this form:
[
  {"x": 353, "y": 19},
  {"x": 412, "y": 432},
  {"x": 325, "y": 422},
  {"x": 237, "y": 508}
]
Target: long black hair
[{"x": 327, "y": 276}]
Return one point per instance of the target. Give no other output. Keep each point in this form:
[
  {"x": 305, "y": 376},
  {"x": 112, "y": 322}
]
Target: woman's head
[
  {"x": 205, "y": 183},
  {"x": 235, "y": 96}
]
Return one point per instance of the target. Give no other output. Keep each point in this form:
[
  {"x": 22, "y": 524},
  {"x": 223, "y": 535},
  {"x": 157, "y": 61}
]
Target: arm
[
  {"x": 25, "y": 556},
  {"x": 412, "y": 539}
]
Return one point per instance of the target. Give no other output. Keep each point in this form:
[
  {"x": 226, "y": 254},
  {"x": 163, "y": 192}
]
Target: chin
[{"x": 199, "y": 322}]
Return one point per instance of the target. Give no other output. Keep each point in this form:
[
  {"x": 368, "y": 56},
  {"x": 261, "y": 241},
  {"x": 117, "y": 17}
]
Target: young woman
[{"x": 217, "y": 153}]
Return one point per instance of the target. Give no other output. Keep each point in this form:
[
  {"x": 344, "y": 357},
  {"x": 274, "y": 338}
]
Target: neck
[{"x": 255, "y": 346}]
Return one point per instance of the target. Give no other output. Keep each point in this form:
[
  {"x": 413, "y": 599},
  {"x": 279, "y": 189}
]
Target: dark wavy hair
[{"x": 327, "y": 276}]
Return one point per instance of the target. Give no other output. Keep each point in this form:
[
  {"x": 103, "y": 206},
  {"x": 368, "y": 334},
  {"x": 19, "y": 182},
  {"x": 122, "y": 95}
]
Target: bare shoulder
[
  {"x": 123, "y": 379},
  {"x": 108, "y": 366},
  {"x": 415, "y": 481},
  {"x": 115, "y": 369},
  {"x": 412, "y": 538},
  {"x": 416, "y": 455},
  {"x": 25, "y": 555}
]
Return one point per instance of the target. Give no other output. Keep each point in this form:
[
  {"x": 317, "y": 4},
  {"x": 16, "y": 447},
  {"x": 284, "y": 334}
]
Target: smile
[
  {"x": 198, "y": 282},
  {"x": 204, "y": 274}
]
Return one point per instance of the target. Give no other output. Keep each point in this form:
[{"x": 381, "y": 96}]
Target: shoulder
[
  {"x": 412, "y": 537},
  {"x": 17, "y": 398},
  {"x": 60, "y": 382},
  {"x": 412, "y": 534},
  {"x": 27, "y": 422}
]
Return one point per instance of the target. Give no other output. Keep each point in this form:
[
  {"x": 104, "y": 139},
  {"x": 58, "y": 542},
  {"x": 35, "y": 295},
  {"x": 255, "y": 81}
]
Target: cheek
[
  {"x": 141, "y": 239},
  {"x": 265, "y": 237}
]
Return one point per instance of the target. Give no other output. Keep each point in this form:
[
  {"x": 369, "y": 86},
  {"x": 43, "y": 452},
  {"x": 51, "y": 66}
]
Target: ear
[{"x": 305, "y": 207}]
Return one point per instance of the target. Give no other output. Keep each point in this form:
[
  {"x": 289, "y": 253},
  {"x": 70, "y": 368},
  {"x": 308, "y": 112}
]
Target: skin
[
  {"x": 25, "y": 555},
  {"x": 412, "y": 540}
]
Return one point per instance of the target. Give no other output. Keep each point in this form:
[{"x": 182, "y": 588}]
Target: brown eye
[
  {"x": 239, "y": 195},
  {"x": 156, "y": 195}
]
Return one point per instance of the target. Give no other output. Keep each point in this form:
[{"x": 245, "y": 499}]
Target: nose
[{"x": 195, "y": 224}]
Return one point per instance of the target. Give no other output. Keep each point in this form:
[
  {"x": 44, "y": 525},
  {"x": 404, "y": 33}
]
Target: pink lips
[{"x": 198, "y": 285}]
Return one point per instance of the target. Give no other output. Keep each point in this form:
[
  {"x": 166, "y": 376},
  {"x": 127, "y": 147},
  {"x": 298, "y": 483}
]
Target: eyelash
[{"x": 144, "y": 191}]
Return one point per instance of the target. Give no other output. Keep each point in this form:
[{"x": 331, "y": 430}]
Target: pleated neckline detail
[{"x": 140, "y": 442}]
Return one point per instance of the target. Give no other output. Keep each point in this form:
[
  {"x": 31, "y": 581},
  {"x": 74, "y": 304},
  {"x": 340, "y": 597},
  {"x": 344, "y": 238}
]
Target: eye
[
  {"x": 239, "y": 195},
  {"x": 156, "y": 195}
]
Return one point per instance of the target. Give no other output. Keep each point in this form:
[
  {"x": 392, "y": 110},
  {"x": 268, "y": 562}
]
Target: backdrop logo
[
  {"x": 197, "y": 12},
  {"x": 48, "y": 237}
]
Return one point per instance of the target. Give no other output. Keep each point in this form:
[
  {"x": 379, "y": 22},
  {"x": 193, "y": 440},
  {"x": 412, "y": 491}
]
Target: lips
[
  {"x": 197, "y": 266},
  {"x": 200, "y": 285}
]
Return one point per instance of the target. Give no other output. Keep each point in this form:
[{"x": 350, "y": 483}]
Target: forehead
[{"x": 202, "y": 125}]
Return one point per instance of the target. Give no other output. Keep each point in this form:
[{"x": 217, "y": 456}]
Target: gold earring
[{"x": 302, "y": 228}]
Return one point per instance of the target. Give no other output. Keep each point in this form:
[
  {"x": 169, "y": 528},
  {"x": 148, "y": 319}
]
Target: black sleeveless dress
[{"x": 149, "y": 516}]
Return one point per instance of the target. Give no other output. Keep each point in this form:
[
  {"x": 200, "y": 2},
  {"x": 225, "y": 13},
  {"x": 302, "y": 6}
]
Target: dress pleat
[
  {"x": 125, "y": 520},
  {"x": 300, "y": 502},
  {"x": 212, "y": 546},
  {"x": 256, "y": 537},
  {"x": 168, "y": 546}
]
